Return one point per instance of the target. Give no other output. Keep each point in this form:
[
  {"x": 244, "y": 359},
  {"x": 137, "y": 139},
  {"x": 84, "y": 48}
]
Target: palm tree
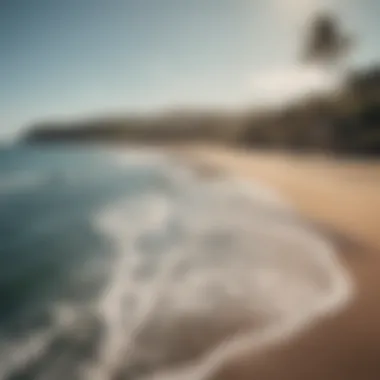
[{"x": 326, "y": 44}]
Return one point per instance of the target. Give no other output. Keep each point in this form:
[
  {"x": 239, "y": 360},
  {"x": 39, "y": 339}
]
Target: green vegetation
[{"x": 346, "y": 122}]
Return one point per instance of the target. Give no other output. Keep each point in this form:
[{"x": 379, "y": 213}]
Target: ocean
[{"x": 129, "y": 265}]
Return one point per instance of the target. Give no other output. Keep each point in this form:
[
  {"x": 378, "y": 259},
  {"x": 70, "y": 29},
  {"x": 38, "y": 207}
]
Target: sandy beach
[{"x": 342, "y": 196}]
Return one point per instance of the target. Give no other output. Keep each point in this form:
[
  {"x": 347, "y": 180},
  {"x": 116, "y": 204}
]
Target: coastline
[{"x": 342, "y": 196}]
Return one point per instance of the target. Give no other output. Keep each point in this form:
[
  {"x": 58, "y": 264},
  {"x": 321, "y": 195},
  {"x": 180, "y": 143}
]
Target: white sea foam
[
  {"x": 138, "y": 157},
  {"x": 241, "y": 255},
  {"x": 17, "y": 354}
]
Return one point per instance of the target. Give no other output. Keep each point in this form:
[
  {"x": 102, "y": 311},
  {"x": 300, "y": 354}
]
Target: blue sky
[{"x": 73, "y": 58}]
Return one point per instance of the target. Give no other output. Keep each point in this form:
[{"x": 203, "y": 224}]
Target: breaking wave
[
  {"x": 203, "y": 272},
  {"x": 174, "y": 276}
]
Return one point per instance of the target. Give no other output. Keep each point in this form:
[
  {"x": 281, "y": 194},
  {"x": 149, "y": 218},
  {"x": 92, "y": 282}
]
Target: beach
[
  {"x": 343, "y": 198},
  {"x": 187, "y": 263}
]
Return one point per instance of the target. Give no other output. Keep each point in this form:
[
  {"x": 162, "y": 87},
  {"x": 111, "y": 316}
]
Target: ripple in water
[
  {"x": 206, "y": 274},
  {"x": 198, "y": 272}
]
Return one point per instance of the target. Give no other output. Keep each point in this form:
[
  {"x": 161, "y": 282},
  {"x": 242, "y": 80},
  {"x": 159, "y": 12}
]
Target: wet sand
[{"x": 343, "y": 198}]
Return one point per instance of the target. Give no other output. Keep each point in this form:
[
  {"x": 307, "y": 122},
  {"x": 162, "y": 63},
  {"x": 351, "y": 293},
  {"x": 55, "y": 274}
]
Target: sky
[{"x": 77, "y": 58}]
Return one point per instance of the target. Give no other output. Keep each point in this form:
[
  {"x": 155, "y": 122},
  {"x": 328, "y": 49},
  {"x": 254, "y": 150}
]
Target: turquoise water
[{"x": 123, "y": 266}]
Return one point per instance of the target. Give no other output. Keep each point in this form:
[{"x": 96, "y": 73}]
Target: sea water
[{"x": 130, "y": 266}]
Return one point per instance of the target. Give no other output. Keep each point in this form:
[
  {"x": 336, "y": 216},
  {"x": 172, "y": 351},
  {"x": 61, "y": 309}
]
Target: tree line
[{"x": 346, "y": 122}]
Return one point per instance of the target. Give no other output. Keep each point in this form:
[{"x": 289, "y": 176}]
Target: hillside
[{"x": 346, "y": 122}]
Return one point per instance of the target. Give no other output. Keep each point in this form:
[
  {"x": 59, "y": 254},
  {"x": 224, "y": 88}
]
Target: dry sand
[{"x": 344, "y": 197}]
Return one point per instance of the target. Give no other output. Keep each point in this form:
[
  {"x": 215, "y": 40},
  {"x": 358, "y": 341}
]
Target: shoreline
[{"x": 343, "y": 197}]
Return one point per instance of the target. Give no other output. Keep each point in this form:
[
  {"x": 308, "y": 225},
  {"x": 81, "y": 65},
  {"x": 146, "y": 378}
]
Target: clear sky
[{"x": 71, "y": 58}]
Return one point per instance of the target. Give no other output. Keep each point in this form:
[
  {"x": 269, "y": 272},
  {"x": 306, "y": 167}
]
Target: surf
[{"x": 232, "y": 269}]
